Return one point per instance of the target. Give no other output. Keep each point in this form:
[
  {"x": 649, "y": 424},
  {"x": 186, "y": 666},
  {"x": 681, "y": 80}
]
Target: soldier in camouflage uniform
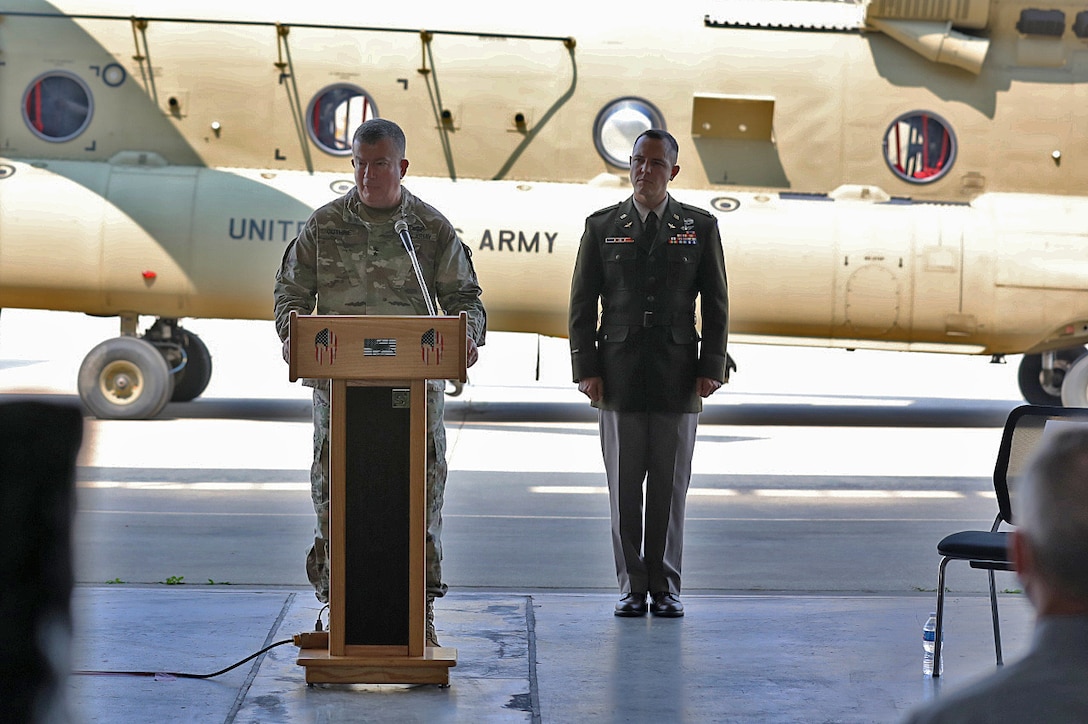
[{"x": 348, "y": 259}]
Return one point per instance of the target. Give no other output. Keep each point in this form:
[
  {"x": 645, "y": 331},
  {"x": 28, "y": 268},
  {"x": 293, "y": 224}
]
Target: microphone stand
[{"x": 401, "y": 227}]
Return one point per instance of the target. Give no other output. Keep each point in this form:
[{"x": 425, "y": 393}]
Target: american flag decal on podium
[
  {"x": 431, "y": 346},
  {"x": 325, "y": 346}
]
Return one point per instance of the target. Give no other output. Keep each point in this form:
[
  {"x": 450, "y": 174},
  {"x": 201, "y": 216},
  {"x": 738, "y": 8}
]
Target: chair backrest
[{"x": 1024, "y": 430}]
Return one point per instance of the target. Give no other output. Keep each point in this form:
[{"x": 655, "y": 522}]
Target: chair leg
[
  {"x": 997, "y": 621},
  {"x": 939, "y": 633}
]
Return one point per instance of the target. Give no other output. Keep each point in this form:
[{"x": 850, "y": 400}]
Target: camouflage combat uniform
[{"x": 348, "y": 259}]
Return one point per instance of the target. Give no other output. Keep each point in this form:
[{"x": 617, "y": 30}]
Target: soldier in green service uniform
[
  {"x": 642, "y": 363},
  {"x": 348, "y": 259}
]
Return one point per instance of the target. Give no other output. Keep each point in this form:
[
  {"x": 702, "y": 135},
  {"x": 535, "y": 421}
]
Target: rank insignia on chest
[
  {"x": 684, "y": 237},
  {"x": 619, "y": 240}
]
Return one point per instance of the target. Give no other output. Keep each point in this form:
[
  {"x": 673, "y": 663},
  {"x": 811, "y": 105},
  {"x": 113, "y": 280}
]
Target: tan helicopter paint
[{"x": 196, "y": 167}]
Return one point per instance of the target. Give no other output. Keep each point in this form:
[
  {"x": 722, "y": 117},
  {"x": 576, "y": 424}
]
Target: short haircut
[
  {"x": 1053, "y": 516},
  {"x": 378, "y": 129},
  {"x": 661, "y": 135}
]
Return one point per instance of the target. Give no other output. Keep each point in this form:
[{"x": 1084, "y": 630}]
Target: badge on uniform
[
  {"x": 687, "y": 233},
  {"x": 619, "y": 240},
  {"x": 629, "y": 223},
  {"x": 684, "y": 237}
]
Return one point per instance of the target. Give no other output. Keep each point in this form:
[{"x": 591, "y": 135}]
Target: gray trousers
[{"x": 655, "y": 448}]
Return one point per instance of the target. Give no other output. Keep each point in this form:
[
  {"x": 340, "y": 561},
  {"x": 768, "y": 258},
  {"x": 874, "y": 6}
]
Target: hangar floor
[{"x": 535, "y": 657}]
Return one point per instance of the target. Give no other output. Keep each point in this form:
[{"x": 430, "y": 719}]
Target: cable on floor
[{"x": 182, "y": 675}]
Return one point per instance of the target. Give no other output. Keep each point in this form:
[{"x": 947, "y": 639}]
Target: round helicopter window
[
  {"x": 619, "y": 124},
  {"x": 919, "y": 147},
  {"x": 335, "y": 113},
  {"x": 57, "y": 106}
]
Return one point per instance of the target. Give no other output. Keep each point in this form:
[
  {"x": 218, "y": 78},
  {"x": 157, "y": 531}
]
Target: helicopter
[{"x": 886, "y": 175}]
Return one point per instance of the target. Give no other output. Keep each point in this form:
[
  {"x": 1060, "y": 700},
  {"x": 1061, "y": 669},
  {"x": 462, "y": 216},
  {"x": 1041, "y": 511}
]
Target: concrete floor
[
  {"x": 534, "y": 657},
  {"x": 545, "y": 653}
]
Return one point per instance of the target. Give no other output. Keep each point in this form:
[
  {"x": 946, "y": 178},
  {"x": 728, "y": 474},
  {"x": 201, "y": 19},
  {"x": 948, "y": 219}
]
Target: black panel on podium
[{"x": 377, "y": 506}]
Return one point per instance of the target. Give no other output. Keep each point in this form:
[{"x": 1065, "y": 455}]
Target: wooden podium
[{"x": 378, "y": 367}]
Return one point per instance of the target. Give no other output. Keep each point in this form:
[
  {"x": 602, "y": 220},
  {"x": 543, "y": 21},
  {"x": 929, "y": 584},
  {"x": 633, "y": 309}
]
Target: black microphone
[{"x": 401, "y": 227}]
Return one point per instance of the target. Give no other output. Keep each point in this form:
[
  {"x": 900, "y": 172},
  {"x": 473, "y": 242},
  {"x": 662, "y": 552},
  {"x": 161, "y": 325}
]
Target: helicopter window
[
  {"x": 1041, "y": 22},
  {"x": 335, "y": 113},
  {"x": 57, "y": 107},
  {"x": 619, "y": 124},
  {"x": 1080, "y": 25},
  {"x": 919, "y": 147}
]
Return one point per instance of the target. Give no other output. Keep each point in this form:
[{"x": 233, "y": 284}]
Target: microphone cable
[
  {"x": 180, "y": 675},
  {"x": 318, "y": 627}
]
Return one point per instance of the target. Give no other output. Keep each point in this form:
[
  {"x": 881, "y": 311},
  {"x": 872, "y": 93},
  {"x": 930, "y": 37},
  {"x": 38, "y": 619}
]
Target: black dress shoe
[
  {"x": 632, "y": 604},
  {"x": 666, "y": 604}
]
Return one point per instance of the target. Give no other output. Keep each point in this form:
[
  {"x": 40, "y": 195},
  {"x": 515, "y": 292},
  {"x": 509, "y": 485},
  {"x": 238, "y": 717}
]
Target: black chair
[{"x": 988, "y": 550}]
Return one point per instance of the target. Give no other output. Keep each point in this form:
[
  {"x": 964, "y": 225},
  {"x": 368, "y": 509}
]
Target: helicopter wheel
[
  {"x": 1032, "y": 377},
  {"x": 1075, "y": 384},
  {"x": 192, "y": 379},
  {"x": 125, "y": 378}
]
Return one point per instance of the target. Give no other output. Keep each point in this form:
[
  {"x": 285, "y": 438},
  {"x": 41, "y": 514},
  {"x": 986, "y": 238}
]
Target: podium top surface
[{"x": 378, "y": 347}]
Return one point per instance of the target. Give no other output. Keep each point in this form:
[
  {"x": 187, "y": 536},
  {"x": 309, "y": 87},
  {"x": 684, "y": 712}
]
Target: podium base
[{"x": 431, "y": 668}]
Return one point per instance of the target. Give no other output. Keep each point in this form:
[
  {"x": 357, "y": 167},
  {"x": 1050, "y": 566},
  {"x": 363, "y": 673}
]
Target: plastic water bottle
[{"x": 929, "y": 637}]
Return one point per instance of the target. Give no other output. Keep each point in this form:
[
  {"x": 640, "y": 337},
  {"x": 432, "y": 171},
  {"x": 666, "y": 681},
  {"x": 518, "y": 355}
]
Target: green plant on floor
[{"x": 175, "y": 580}]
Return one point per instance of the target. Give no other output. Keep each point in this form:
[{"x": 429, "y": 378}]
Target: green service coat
[{"x": 645, "y": 345}]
